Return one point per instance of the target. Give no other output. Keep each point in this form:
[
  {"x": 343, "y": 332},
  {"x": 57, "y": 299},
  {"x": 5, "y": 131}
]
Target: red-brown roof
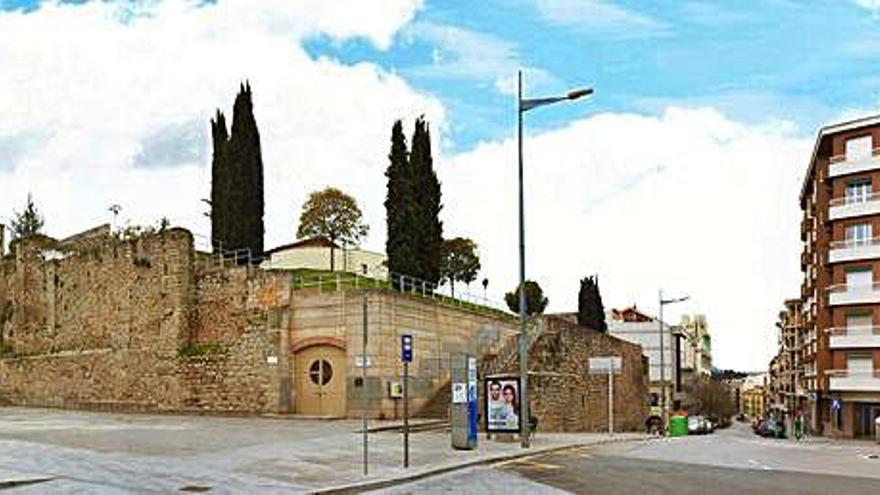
[{"x": 630, "y": 314}]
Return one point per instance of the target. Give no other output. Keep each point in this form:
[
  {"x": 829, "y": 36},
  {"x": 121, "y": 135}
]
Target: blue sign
[
  {"x": 835, "y": 404},
  {"x": 406, "y": 348}
]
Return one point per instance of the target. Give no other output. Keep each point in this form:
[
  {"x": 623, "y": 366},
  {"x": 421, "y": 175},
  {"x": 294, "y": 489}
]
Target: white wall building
[{"x": 318, "y": 253}]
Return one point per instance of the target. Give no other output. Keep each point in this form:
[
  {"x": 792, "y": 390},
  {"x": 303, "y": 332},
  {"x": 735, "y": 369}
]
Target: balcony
[
  {"x": 806, "y": 223},
  {"x": 854, "y": 337},
  {"x": 839, "y": 165},
  {"x": 854, "y": 249},
  {"x": 854, "y": 206},
  {"x": 854, "y": 381},
  {"x": 842, "y": 294}
]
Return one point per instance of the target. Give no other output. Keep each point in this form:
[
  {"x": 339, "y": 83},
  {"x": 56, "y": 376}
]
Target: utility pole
[
  {"x": 663, "y": 403},
  {"x": 364, "y": 384},
  {"x": 523, "y": 106}
]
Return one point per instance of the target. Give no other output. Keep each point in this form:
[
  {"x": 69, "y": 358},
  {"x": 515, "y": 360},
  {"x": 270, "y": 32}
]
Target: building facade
[
  {"x": 695, "y": 346},
  {"x": 840, "y": 351},
  {"x": 319, "y": 253},
  {"x": 787, "y": 389},
  {"x": 754, "y": 395},
  {"x": 632, "y": 325}
]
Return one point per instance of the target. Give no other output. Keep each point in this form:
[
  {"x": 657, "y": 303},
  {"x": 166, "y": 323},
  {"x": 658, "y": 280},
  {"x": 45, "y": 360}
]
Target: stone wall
[
  {"x": 439, "y": 331},
  {"x": 564, "y": 396},
  {"x": 94, "y": 321}
]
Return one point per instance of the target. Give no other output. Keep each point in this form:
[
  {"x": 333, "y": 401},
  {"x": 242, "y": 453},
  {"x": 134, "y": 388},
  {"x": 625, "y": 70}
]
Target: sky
[{"x": 680, "y": 173}]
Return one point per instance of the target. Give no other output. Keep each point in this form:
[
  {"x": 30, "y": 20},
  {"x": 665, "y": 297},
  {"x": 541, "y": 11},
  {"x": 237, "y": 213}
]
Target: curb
[{"x": 385, "y": 483}]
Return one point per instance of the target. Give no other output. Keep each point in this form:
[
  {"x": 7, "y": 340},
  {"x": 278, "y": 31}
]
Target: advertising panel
[{"x": 502, "y": 404}]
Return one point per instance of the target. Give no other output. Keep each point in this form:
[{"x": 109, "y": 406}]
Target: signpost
[
  {"x": 406, "y": 355},
  {"x": 607, "y": 365}
]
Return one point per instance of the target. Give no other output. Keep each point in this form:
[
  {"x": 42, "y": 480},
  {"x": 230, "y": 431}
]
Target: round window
[{"x": 320, "y": 372}]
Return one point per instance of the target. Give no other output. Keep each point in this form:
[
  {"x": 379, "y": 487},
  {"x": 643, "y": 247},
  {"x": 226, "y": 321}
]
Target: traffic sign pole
[{"x": 406, "y": 352}]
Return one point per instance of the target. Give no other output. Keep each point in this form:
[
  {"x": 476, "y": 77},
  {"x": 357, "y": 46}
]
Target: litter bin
[{"x": 678, "y": 426}]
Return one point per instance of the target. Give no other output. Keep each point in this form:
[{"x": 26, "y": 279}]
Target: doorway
[{"x": 320, "y": 381}]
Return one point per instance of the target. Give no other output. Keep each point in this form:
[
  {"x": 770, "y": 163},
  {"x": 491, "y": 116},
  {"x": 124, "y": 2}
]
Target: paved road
[{"x": 731, "y": 462}]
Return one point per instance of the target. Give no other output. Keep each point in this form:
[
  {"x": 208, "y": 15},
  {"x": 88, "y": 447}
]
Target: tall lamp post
[
  {"x": 523, "y": 106},
  {"x": 663, "y": 403}
]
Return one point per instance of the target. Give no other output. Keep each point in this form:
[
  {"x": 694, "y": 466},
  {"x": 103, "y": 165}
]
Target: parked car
[
  {"x": 771, "y": 429},
  {"x": 699, "y": 425}
]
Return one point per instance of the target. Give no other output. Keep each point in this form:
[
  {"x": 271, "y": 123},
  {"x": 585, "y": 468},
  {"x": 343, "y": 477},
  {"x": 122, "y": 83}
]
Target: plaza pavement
[{"x": 69, "y": 451}]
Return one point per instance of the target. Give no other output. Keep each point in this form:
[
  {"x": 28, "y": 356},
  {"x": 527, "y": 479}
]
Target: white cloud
[
  {"x": 872, "y": 5},
  {"x": 466, "y": 54},
  {"x": 599, "y": 17},
  {"x": 690, "y": 201},
  {"x": 88, "y": 111}
]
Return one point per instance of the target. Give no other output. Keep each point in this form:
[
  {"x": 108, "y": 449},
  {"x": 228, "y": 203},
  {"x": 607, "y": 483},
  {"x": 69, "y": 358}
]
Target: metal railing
[
  {"x": 855, "y": 199},
  {"x": 854, "y": 289},
  {"x": 853, "y": 373},
  {"x": 851, "y": 243},
  {"x": 853, "y": 331},
  {"x": 335, "y": 282},
  {"x": 843, "y": 158}
]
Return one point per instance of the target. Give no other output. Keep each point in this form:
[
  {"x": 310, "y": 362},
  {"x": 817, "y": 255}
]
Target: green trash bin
[{"x": 678, "y": 426}]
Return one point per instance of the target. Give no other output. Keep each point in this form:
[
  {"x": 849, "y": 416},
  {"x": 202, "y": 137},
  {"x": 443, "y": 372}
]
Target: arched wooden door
[{"x": 320, "y": 381}]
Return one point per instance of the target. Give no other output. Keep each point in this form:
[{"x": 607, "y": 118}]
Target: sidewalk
[{"x": 116, "y": 453}]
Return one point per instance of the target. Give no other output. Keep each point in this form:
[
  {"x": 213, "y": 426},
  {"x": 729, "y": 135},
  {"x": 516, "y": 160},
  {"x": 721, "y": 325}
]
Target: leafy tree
[
  {"x": 591, "y": 312},
  {"x": 710, "y": 397},
  {"x": 335, "y": 215},
  {"x": 237, "y": 204},
  {"x": 536, "y": 303},
  {"x": 28, "y": 222},
  {"x": 460, "y": 261}
]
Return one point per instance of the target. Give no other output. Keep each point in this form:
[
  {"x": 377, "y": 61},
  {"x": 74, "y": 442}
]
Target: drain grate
[{"x": 195, "y": 488}]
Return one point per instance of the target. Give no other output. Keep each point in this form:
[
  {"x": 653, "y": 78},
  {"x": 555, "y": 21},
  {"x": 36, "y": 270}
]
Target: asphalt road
[{"x": 728, "y": 462}]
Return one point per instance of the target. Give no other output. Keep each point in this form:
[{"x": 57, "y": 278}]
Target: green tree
[
  {"x": 400, "y": 243},
  {"x": 335, "y": 215},
  {"x": 591, "y": 312},
  {"x": 460, "y": 262},
  {"x": 28, "y": 222},
  {"x": 427, "y": 203},
  {"x": 237, "y": 204},
  {"x": 536, "y": 303}
]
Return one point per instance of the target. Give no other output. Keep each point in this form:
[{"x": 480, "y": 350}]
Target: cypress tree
[
  {"x": 591, "y": 312},
  {"x": 399, "y": 244},
  {"x": 237, "y": 203},
  {"x": 428, "y": 229}
]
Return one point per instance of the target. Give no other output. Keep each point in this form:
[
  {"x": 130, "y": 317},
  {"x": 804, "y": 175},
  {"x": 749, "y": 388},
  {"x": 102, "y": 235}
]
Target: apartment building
[
  {"x": 632, "y": 325},
  {"x": 787, "y": 389},
  {"x": 695, "y": 346},
  {"x": 840, "y": 350}
]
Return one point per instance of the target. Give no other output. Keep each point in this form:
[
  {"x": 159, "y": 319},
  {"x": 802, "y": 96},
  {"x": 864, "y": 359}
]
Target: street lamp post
[
  {"x": 523, "y": 106},
  {"x": 663, "y": 404}
]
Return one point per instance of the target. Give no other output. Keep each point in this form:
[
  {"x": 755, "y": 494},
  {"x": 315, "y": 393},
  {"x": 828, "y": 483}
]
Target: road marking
[{"x": 534, "y": 464}]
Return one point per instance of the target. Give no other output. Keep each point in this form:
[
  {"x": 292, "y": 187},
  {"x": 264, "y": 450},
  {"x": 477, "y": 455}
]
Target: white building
[{"x": 319, "y": 253}]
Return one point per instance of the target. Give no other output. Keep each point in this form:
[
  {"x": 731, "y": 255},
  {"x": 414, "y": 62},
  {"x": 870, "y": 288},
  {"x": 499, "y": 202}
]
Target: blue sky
[
  {"x": 804, "y": 62},
  {"x": 757, "y": 61}
]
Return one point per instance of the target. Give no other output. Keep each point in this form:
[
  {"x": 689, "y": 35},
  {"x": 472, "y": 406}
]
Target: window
[
  {"x": 860, "y": 278},
  {"x": 858, "y": 234},
  {"x": 320, "y": 372},
  {"x": 858, "y": 191},
  {"x": 859, "y": 363},
  {"x": 859, "y": 324},
  {"x": 858, "y": 148}
]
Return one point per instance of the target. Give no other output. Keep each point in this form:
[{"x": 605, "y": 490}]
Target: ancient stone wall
[
  {"x": 564, "y": 396},
  {"x": 98, "y": 322}
]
